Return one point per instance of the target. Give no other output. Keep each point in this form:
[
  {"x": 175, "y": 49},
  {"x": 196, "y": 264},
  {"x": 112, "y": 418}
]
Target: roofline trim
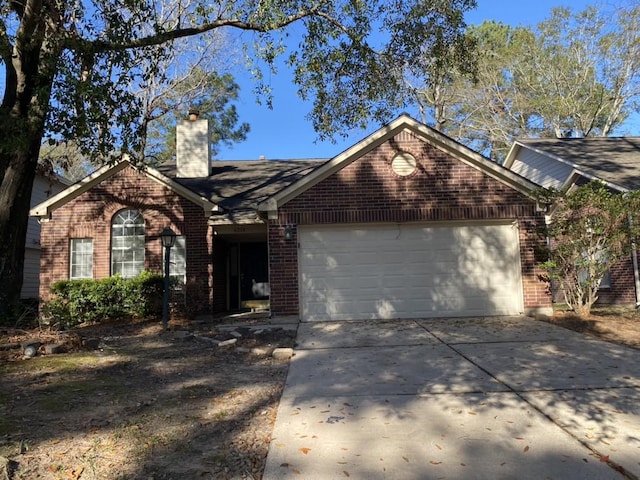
[
  {"x": 44, "y": 209},
  {"x": 576, "y": 168},
  {"x": 571, "y": 179},
  {"x": 547, "y": 154},
  {"x": 510, "y": 158},
  {"x": 403, "y": 122}
]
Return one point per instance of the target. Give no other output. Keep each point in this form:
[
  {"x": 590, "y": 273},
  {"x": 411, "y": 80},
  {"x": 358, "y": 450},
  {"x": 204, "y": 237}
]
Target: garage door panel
[{"x": 409, "y": 271}]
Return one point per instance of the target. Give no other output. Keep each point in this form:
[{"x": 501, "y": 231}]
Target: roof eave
[
  {"x": 44, "y": 209},
  {"x": 575, "y": 173},
  {"x": 403, "y": 122},
  {"x": 511, "y": 156},
  {"x": 207, "y": 205}
]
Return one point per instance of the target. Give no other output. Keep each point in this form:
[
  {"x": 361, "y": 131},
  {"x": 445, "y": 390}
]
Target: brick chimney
[{"x": 193, "y": 150}]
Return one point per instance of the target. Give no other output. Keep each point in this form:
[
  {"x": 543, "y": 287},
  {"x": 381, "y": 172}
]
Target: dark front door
[
  {"x": 254, "y": 271},
  {"x": 248, "y": 273}
]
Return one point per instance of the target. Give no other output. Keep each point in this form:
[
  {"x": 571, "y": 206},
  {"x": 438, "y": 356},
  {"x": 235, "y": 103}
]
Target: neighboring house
[
  {"x": 43, "y": 188},
  {"x": 562, "y": 162},
  {"x": 406, "y": 223}
]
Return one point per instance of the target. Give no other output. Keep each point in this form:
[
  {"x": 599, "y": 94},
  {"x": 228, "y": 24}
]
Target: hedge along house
[
  {"x": 561, "y": 163},
  {"x": 407, "y": 223}
]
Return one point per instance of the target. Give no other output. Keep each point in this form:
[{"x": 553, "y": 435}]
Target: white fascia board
[
  {"x": 477, "y": 161},
  {"x": 207, "y": 205},
  {"x": 403, "y": 122},
  {"x": 44, "y": 209},
  {"x": 333, "y": 165},
  {"x": 511, "y": 156},
  {"x": 575, "y": 173}
]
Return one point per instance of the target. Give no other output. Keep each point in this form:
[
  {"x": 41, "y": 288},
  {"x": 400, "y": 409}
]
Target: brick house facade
[
  {"x": 244, "y": 222},
  {"x": 367, "y": 191},
  {"x": 561, "y": 163},
  {"x": 90, "y": 215}
]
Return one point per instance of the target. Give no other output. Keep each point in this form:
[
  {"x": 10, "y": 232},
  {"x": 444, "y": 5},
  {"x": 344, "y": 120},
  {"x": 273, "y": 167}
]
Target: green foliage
[
  {"x": 73, "y": 71},
  {"x": 214, "y": 102},
  {"x": 90, "y": 301},
  {"x": 591, "y": 229},
  {"x": 575, "y": 74}
]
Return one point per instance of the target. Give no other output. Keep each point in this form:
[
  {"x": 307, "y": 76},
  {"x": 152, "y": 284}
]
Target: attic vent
[{"x": 404, "y": 164}]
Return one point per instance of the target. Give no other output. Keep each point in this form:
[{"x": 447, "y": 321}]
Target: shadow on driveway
[{"x": 503, "y": 397}]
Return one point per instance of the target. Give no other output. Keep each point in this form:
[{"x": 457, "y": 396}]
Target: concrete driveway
[{"x": 484, "y": 398}]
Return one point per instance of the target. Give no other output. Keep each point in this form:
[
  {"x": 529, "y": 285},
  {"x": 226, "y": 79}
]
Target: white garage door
[{"x": 408, "y": 271}]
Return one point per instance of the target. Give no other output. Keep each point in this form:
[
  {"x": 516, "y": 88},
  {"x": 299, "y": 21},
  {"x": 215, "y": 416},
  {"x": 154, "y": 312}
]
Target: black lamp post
[{"x": 168, "y": 237}]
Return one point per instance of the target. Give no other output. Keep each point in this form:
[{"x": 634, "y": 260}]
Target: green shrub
[{"x": 91, "y": 301}]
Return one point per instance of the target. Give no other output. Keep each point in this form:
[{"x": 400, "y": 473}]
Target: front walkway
[{"x": 483, "y": 398}]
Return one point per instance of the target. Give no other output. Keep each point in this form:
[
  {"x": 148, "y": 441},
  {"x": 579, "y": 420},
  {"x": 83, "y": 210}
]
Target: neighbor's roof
[
  {"x": 615, "y": 160},
  {"x": 238, "y": 186}
]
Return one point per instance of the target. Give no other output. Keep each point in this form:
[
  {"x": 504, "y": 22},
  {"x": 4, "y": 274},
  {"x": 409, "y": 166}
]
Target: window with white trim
[
  {"x": 178, "y": 262},
  {"x": 81, "y": 258},
  {"x": 127, "y": 243},
  {"x": 599, "y": 257}
]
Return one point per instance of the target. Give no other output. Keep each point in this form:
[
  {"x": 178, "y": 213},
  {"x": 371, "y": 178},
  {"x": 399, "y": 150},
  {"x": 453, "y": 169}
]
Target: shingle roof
[
  {"x": 238, "y": 186},
  {"x": 613, "y": 159}
]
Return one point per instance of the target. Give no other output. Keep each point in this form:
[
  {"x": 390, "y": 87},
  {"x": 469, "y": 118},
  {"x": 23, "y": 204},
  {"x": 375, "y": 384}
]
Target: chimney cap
[{"x": 194, "y": 113}]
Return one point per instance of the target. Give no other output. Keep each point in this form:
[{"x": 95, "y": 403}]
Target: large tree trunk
[
  {"x": 18, "y": 170},
  {"x": 18, "y": 166},
  {"x": 30, "y": 69}
]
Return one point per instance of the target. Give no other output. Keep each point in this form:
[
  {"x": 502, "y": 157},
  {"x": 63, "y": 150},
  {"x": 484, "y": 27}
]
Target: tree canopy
[
  {"x": 576, "y": 74},
  {"x": 591, "y": 229},
  {"x": 71, "y": 70}
]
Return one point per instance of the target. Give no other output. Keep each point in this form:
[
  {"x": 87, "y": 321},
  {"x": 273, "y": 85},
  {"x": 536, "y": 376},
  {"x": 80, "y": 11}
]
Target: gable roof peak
[
  {"x": 44, "y": 209},
  {"x": 401, "y": 123}
]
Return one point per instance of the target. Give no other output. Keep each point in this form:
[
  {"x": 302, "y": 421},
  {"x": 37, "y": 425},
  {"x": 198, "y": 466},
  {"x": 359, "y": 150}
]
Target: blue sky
[{"x": 283, "y": 132}]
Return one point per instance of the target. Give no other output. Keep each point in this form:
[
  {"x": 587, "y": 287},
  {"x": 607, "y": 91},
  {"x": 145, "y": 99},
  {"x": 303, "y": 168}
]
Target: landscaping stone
[
  {"x": 30, "y": 351},
  {"x": 53, "y": 348},
  {"x": 282, "y": 353},
  {"x": 227, "y": 343},
  {"x": 261, "y": 351},
  {"x": 207, "y": 339}
]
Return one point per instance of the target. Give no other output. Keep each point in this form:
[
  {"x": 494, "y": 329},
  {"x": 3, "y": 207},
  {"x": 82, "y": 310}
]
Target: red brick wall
[
  {"x": 443, "y": 188},
  {"x": 90, "y": 215},
  {"x": 622, "y": 290}
]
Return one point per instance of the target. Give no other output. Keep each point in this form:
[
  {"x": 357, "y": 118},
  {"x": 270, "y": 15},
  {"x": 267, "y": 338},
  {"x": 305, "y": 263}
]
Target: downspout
[
  {"x": 547, "y": 222},
  {"x": 636, "y": 273}
]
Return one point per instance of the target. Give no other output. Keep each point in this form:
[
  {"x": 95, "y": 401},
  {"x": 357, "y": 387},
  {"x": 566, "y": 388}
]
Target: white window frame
[
  {"x": 80, "y": 258},
  {"x": 606, "y": 278},
  {"x": 127, "y": 243}
]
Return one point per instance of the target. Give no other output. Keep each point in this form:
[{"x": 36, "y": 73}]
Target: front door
[
  {"x": 248, "y": 275},
  {"x": 254, "y": 272}
]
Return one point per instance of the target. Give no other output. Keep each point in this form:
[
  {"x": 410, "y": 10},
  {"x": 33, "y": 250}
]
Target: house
[
  {"x": 562, "y": 162},
  {"x": 44, "y": 186},
  {"x": 406, "y": 223}
]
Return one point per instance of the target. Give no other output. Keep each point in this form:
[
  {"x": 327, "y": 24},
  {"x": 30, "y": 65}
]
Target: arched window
[{"x": 127, "y": 243}]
